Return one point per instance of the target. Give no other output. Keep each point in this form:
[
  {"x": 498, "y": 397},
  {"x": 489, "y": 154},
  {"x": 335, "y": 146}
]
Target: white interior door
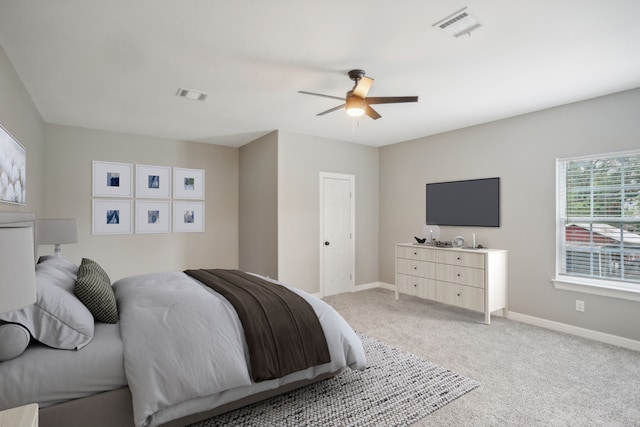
[{"x": 337, "y": 240}]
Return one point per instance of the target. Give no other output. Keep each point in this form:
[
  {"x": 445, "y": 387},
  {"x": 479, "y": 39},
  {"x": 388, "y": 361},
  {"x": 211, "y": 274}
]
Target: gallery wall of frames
[{"x": 146, "y": 199}]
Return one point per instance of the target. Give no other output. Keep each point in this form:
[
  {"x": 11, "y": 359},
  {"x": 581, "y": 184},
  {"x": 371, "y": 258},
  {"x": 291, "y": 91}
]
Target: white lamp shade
[
  {"x": 57, "y": 231},
  {"x": 17, "y": 272}
]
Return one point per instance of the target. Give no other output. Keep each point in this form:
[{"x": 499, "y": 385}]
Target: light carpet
[{"x": 397, "y": 388}]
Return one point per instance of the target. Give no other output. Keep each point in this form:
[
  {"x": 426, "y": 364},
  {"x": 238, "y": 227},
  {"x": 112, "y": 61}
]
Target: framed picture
[
  {"x": 188, "y": 183},
  {"x": 13, "y": 169},
  {"x": 153, "y": 182},
  {"x": 153, "y": 216},
  {"x": 112, "y": 179},
  {"x": 112, "y": 216},
  {"x": 188, "y": 217}
]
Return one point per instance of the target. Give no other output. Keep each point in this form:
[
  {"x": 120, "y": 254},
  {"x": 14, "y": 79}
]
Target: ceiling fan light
[
  {"x": 355, "y": 112},
  {"x": 355, "y": 106}
]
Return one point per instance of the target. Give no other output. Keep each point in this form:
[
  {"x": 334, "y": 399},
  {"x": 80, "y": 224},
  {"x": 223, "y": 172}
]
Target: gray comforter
[{"x": 184, "y": 348}]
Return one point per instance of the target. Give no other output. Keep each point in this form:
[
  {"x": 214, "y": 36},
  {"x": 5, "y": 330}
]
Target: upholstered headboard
[{"x": 17, "y": 219}]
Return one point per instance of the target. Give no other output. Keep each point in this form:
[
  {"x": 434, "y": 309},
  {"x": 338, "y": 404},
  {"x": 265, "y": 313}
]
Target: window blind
[{"x": 599, "y": 217}]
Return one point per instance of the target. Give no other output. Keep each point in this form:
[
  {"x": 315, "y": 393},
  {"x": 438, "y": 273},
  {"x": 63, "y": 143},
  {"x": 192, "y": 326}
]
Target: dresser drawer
[
  {"x": 465, "y": 259},
  {"x": 417, "y": 286},
  {"x": 416, "y": 268},
  {"x": 460, "y": 295},
  {"x": 460, "y": 275},
  {"x": 415, "y": 252}
]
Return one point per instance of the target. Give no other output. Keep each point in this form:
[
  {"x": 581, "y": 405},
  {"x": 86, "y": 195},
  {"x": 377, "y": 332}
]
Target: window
[{"x": 598, "y": 224}]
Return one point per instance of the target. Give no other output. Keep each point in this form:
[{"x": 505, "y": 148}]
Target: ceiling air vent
[
  {"x": 458, "y": 24},
  {"x": 192, "y": 94}
]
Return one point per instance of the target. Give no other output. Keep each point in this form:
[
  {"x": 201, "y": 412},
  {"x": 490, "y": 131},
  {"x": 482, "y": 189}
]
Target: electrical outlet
[{"x": 579, "y": 305}]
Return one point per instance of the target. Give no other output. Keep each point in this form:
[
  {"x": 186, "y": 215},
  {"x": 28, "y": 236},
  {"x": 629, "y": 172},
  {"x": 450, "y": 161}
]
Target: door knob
[{"x": 326, "y": 243}]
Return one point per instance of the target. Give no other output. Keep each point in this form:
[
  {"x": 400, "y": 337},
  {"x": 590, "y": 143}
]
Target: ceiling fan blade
[
  {"x": 362, "y": 87},
  {"x": 371, "y": 113},
  {"x": 319, "y": 94},
  {"x": 331, "y": 110},
  {"x": 391, "y": 99}
]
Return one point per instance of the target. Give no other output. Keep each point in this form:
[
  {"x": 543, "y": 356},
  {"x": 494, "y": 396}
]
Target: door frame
[{"x": 352, "y": 251}]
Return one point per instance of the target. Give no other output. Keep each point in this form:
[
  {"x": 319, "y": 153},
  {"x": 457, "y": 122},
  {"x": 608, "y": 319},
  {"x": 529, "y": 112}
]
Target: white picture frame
[
  {"x": 188, "y": 217},
  {"x": 112, "y": 179},
  {"x": 112, "y": 216},
  {"x": 188, "y": 184},
  {"x": 153, "y": 216},
  {"x": 153, "y": 182},
  {"x": 13, "y": 169}
]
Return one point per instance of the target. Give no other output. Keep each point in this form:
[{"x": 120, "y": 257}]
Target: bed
[{"x": 178, "y": 351}]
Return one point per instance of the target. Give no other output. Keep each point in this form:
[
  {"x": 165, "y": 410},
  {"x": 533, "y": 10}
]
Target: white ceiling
[{"x": 116, "y": 64}]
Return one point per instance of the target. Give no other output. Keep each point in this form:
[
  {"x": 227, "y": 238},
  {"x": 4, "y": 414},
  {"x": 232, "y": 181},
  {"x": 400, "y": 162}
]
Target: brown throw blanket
[{"x": 282, "y": 331}]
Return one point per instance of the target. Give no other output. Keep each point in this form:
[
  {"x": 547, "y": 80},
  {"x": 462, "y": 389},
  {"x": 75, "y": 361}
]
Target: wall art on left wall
[
  {"x": 188, "y": 183},
  {"x": 188, "y": 217},
  {"x": 13, "y": 169},
  {"x": 153, "y": 181},
  {"x": 112, "y": 179},
  {"x": 112, "y": 217},
  {"x": 153, "y": 216}
]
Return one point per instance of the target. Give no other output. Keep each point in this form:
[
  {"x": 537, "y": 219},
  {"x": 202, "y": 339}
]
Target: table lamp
[{"x": 57, "y": 231}]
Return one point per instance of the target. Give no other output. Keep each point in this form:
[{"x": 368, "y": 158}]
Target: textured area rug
[{"x": 397, "y": 388}]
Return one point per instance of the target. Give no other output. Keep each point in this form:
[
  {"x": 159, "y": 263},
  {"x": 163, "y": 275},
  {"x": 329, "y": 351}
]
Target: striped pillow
[{"x": 93, "y": 288}]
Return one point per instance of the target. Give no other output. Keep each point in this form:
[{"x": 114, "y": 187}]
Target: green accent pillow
[{"x": 93, "y": 288}]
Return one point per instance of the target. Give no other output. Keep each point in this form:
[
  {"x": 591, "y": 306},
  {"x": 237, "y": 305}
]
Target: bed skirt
[{"x": 113, "y": 408}]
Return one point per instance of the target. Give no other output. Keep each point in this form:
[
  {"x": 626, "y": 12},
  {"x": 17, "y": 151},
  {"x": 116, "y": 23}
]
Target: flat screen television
[{"x": 474, "y": 202}]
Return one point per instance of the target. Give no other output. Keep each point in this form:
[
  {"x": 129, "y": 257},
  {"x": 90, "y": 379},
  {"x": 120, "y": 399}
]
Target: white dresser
[{"x": 471, "y": 278}]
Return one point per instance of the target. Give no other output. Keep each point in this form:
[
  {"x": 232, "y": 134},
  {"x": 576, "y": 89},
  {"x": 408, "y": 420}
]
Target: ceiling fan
[{"x": 356, "y": 102}]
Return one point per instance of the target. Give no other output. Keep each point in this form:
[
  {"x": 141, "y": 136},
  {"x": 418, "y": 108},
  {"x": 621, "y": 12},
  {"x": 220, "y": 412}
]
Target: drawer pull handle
[
  {"x": 415, "y": 253},
  {"x": 458, "y": 258},
  {"x": 458, "y": 274},
  {"x": 415, "y": 268}
]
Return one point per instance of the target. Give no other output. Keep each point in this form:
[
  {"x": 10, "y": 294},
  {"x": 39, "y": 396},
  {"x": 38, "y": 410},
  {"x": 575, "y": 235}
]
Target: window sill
[{"x": 605, "y": 289}]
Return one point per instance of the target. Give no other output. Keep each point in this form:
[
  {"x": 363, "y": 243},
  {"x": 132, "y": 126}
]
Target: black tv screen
[{"x": 473, "y": 202}]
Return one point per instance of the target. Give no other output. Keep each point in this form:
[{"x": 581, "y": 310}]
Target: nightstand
[{"x": 22, "y": 416}]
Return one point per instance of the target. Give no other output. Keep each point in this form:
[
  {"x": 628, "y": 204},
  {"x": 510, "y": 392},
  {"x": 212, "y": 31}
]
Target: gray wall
[
  {"x": 522, "y": 152},
  {"x": 19, "y": 116},
  {"x": 389, "y": 196},
  {"x": 59, "y": 162},
  {"x": 301, "y": 158},
  {"x": 70, "y": 152},
  {"x": 259, "y": 206}
]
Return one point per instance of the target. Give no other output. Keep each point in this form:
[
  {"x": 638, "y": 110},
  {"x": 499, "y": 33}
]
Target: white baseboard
[
  {"x": 575, "y": 330},
  {"x": 373, "y": 285},
  {"x": 366, "y": 286}
]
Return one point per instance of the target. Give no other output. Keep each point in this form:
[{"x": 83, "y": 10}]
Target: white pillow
[
  {"x": 59, "y": 263},
  {"x": 14, "y": 340},
  {"x": 57, "y": 319},
  {"x": 60, "y": 271}
]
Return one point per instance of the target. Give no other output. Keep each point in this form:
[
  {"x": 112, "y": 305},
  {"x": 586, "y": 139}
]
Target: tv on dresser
[{"x": 474, "y": 202}]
